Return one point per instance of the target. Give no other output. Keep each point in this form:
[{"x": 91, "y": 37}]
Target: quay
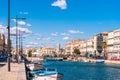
[{"x": 18, "y": 72}]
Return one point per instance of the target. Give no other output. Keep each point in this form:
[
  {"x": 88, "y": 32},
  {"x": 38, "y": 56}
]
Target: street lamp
[
  {"x": 21, "y": 47},
  {"x": 8, "y": 47},
  {"x": 17, "y": 36}
]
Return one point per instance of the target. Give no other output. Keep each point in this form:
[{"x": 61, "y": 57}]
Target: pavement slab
[{"x": 17, "y": 72}]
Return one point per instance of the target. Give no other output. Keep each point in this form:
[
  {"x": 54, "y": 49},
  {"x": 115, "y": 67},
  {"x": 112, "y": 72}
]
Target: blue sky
[{"x": 57, "y": 21}]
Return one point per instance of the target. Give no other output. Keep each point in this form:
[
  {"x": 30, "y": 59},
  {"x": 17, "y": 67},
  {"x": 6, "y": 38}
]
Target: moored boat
[
  {"x": 45, "y": 74},
  {"x": 53, "y": 59},
  {"x": 100, "y": 61},
  {"x": 37, "y": 72}
]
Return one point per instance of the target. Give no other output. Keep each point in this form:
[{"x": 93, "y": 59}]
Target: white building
[
  {"x": 70, "y": 46},
  {"x": 48, "y": 50},
  {"x": 113, "y": 48}
]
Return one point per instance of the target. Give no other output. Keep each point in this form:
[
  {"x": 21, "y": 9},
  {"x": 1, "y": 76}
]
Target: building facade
[
  {"x": 113, "y": 47},
  {"x": 91, "y": 46},
  {"x": 99, "y": 39},
  {"x": 2, "y": 43},
  {"x": 70, "y": 46},
  {"x": 48, "y": 50}
]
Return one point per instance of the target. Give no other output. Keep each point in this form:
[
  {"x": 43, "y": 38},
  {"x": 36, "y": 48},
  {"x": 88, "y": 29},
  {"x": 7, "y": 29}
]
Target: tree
[
  {"x": 91, "y": 55},
  {"x": 29, "y": 53},
  {"x": 104, "y": 46},
  {"x": 77, "y": 51}
]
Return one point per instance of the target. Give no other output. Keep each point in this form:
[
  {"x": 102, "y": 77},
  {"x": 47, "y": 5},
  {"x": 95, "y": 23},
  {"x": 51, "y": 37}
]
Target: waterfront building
[
  {"x": 62, "y": 51},
  {"x": 113, "y": 47},
  {"x": 87, "y": 46},
  {"x": 48, "y": 50},
  {"x": 83, "y": 47},
  {"x": 99, "y": 39},
  {"x": 2, "y": 43},
  {"x": 58, "y": 48},
  {"x": 70, "y": 46},
  {"x": 91, "y": 46}
]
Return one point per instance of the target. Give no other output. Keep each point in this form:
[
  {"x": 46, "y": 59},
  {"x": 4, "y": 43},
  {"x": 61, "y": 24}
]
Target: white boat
[
  {"x": 100, "y": 61},
  {"x": 35, "y": 66},
  {"x": 46, "y": 74}
]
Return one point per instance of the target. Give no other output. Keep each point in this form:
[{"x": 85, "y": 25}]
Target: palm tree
[{"x": 104, "y": 46}]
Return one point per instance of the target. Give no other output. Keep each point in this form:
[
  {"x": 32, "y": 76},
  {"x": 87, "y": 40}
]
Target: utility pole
[
  {"x": 17, "y": 38},
  {"x": 19, "y": 43},
  {"x": 8, "y": 41}
]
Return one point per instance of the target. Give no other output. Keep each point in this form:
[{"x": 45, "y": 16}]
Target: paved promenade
[{"x": 17, "y": 72}]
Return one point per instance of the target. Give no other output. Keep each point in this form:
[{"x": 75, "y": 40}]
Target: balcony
[
  {"x": 116, "y": 50},
  {"x": 117, "y": 35},
  {"x": 116, "y": 43}
]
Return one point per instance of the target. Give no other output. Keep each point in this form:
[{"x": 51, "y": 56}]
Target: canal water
[{"x": 85, "y": 71}]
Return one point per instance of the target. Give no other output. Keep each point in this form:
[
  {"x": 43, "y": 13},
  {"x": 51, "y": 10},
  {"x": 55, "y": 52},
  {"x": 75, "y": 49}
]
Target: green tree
[
  {"x": 104, "y": 46},
  {"x": 77, "y": 51},
  {"x": 91, "y": 55},
  {"x": 29, "y": 53}
]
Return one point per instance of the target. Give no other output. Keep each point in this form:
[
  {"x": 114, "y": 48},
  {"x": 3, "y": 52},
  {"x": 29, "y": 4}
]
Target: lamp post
[
  {"x": 21, "y": 45},
  {"x": 8, "y": 47},
  {"x": 18, "y": 55}
]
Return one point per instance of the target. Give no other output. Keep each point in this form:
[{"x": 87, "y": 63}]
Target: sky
[{"x": 49, "y": 22}]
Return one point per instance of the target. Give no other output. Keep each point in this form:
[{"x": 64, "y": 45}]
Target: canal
[{"x": 85, "y": 71}]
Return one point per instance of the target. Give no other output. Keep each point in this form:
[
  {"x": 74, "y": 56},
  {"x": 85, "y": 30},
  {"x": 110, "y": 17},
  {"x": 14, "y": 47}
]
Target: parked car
[{"x": 3, "y": 56}]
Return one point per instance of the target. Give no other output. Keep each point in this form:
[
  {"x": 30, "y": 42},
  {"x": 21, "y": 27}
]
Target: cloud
[
  {"x": 37, "y": 34},
  {"x": 65, "y": 34},
  {"x": 3, "y": 29},
  {"x": 23, "y": 12},
  {"x": 14, "y": 20},
  {"x": 60, "y": 3},
  {"x": 27, "y": 46},
  {"x": 39, "y": 38},
  {"x": 48, "y": 39},
  {"x": 28, "y": 25},
  {"x": 22, "y": 23},
  {"x": 24, "y": 31},
  {"x": 55, "y": 34},
  {"x": 31, "y": 43},
  {"x": 75, "y": 32},
  {"x": 45, "y": 39},
  {"x": 66, "y": 38}
]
